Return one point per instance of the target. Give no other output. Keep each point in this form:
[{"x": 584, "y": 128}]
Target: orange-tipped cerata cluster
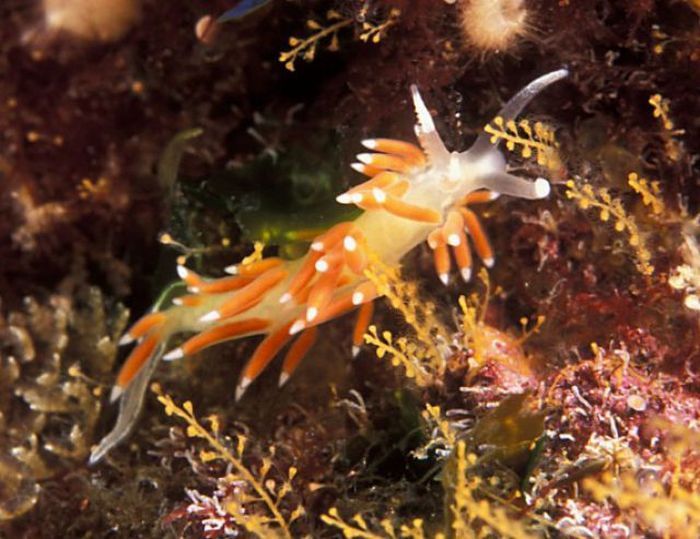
[{"x": 414, "y": 194}]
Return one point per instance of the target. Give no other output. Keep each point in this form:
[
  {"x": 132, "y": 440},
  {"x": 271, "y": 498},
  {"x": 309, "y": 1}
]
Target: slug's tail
[{"x": 135, "y": 375}]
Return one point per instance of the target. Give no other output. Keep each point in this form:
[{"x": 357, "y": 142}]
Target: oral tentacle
[
  {"x": 130, "y": 403},
  {"x": 515, "y": 106},
  {"x": 507, "y": 184}
]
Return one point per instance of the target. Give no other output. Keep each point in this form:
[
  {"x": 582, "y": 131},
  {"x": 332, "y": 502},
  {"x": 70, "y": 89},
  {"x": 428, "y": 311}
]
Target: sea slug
[{"x": 414, "y": 194}]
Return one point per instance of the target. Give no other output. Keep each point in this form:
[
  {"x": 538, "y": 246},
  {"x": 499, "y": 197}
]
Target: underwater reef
[{"x": 505, "y": 191}]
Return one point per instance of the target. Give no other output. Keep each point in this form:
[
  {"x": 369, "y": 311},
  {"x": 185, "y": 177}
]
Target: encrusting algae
[{"x": 53, "y": 355}]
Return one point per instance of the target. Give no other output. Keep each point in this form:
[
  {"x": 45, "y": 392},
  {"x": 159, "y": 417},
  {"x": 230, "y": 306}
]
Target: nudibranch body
[{"x": 414, "y": 194}]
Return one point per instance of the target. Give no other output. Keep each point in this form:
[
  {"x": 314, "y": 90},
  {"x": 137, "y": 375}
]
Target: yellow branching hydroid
[
  {"x": 661, "y": 110},
  {"x": 420, "y": 354},
  {"x": 609, "y": 207},
  {"x": 649, "y": 191},
  {"x": 469, "y": 515},
  {"x": 266, "y": 492},
  {"x": 674, "y": 513},
  {"x": 306, "y": 47},
  {"x": 537, "y": 140}
]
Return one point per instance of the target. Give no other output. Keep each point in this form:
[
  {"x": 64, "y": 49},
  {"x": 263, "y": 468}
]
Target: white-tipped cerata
[
  {"x": 126, "y": 339},
  {"x": 355, "y": 350},
  {"x": 369, "y": 143},
  {"x": 453, "y": 240},
  {"x": 345, "y": 198},
  {"x": 284, "y": 298},
  {"x": 241, "y": 387},
  {"x": 232, "y": 269},
  {"x": 115, "y": 393},
  {"x": 322, "y": 265},
  {"x": 356, "y": 198},
  {"x": 210, "y": 316},
  {"x": 489, "y": 262},
  {"x": 379, "y": 195},
  {"x": 297, "y": 327},
  {"x": 358, "y": 298},
  {"x": 466, "y": 274},
  {"x": 349, "y": 243},
  {"x": 284, "y": 376},
  {"x": 445, "y": 278},
  {"x": 182, "y": 272},
  {"x": 177, "y": 353},
  {"x": 365, "y": 158},
  {"x": 358, "y": 167},
  {"x": 311, "y": 314}
]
